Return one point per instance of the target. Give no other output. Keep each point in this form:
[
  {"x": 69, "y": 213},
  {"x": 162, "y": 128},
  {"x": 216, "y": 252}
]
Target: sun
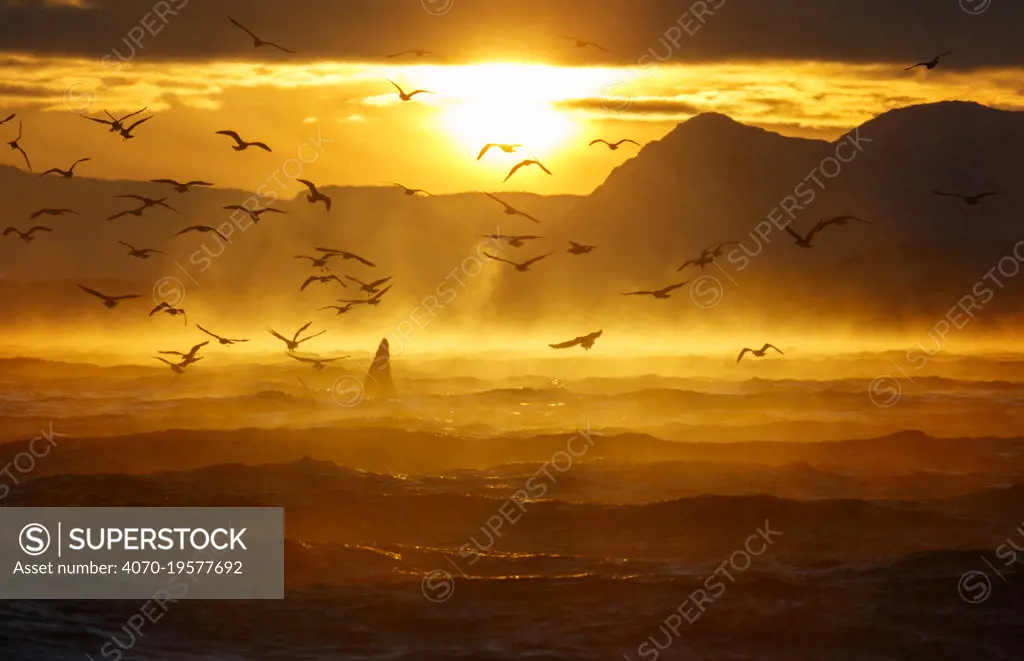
[
  {"x": 536, "y": 126},
  {"x": 509, "y": 104}
]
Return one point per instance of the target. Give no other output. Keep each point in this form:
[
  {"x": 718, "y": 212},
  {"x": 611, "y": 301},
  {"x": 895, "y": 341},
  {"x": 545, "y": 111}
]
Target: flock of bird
[
  {"x": 376, "y": 289},
  {"x": 708, "y": 255}
]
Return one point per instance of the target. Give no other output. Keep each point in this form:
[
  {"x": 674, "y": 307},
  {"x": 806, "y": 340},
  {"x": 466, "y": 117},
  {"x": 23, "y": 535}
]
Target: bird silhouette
[
  {"x": 116, "y": 125},
  {"x": 27, "y": 236},
  {"x": 407, "y": 97},
  {"x": 167, "y": 308},
  {"x": 13, "y": 144},
  {"x": 970, "y": 200},
  {"x": 368, "y": 287},
  {"x": 137, "y": 212},
  {"x": 805, "y": 241},
  {"x": 322, "y": 279},
  {"x": 842, "y": 220},
  {"x": 141, "y": 253},
  {"x": 109, "y": 301},
  {"x": 52, "y": 212},
  {"x": 66, "y": 174},
  {"x": 514, "y": 241},
  {"x": 177, "y": 368},
  {"x": 579, "y": 248},
  {"x": 511, "y": 210},
  {"x": 505, "y": 147},
  {"x": 708, "y": 255},
  {"x": 187, "y": 358},
  {"x": 930, "y": 64},
  {"x": 373, "y": 300},
  {"x": 242, "y": 145},
  {"x": 181, "y": 188},
  {"x": 318, "y": 364},
  {"x": 294, "y": 343},
  {"x": 757, "y": 352},
  {"x": 314, "y": 195},
  {"x": 256, "y": 41},
  {"x": 585, "y": 341},
  {"x": 254, "y": 214},
  {"x": 410, "y": 191},
  {"x": 417, "y": 53},
  {"x": 223, "y": 340},
  {"x": 126, "y": 133},
  {"x": 703, "y": 260},
  {"x": 149, "y": 202},
  {"x": 347, "y": 255},
  {"x": 204, "y": 229},
  {"x": 614, "y": 145},
  {"x": 522, "y": 164},
  {"x": 340, "y": 309},
  {"x": 580, "y": 43},
  {"x": 524, "y": 266},
  {"x": 664, "y": 292},
  {"x": 319, "y": 262}
]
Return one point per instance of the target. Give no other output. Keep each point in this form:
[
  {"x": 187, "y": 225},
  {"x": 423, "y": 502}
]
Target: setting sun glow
[
  {"x": 511, "y": 103},
  {"x": 534, "y": 124}
]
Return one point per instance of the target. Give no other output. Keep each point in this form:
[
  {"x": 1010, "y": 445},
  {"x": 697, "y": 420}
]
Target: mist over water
[{"x": 662, "y": 499}]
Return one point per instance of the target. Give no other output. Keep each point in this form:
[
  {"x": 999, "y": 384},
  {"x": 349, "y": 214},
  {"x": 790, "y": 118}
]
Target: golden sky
[
  {"x": 508, "y": 74},
  {"x": 432, "y": 141}
]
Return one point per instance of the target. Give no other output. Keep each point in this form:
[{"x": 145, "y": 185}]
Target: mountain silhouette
[
  {"x": 713, "y": 179},
  {"x": 710, "y": 179}
]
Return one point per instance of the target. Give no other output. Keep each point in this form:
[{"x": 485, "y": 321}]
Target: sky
[{"x": 504, "y": 72}]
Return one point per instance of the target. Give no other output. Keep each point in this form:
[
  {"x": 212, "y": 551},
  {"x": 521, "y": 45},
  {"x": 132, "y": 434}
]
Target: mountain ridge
[{"x": 710, "y": 179}]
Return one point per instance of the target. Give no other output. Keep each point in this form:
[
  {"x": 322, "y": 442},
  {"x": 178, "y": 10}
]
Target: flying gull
[{"x": 585, "y": 341}]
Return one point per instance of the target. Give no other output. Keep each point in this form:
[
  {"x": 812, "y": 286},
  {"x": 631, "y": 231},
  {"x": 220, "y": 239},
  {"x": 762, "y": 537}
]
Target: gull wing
[
  {"x": 278, "y": 335},
  {"x": 213, "y": 335},
  {"x": 93, "y": 292},
  {"x": 499, "y": 259},
  {"x": 245, "y": 29},
  {"x": 537, "y": 259}
]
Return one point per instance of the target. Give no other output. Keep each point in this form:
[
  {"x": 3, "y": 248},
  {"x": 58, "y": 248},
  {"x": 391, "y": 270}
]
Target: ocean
[{"x": 745, "y": 512}]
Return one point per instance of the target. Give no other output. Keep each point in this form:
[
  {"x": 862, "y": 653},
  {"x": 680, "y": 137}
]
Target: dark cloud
[
  {"x": 780, "y": 105},
  {"x": 842, "y": 30},
  {"x": 23, "y": 91},
  {"x": 627, "y": 106}
]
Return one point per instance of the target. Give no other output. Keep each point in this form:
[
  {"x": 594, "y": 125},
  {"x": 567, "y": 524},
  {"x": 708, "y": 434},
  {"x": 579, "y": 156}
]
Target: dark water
[{"x": 531, "y": 519}]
